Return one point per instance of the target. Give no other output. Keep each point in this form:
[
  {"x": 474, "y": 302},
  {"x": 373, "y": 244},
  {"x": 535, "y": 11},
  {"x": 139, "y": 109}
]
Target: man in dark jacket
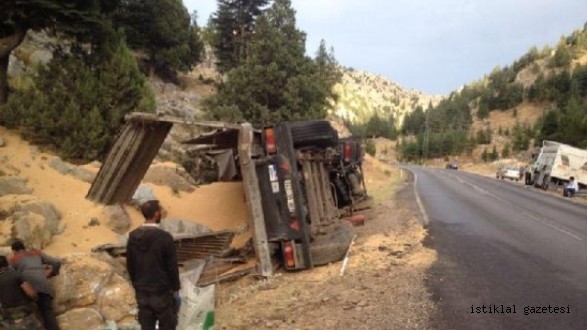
[
  {"x": 36, "y": 267},
  {"x": 152, "y": 265},
  {"x": 16, "y": 310}
]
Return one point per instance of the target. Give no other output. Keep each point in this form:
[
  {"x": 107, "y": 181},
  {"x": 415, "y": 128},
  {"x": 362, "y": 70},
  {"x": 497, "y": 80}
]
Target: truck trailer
[{"x": 555, "y": 163}]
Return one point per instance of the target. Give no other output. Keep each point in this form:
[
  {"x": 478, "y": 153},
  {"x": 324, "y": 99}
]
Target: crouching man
[
  {"x": 571, "y": 188},
  {"x": 16, "y": 300}
]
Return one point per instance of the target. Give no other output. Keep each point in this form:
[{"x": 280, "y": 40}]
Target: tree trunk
[
  {"x": 4, "y": 79},
  {"x": 7, "y": 44}
]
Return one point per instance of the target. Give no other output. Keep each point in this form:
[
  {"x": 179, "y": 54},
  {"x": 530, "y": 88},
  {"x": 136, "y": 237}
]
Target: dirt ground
[{"x": 382, "y": 287}]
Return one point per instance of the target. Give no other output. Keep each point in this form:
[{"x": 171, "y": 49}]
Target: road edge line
[{"x": 423, "y": 212}]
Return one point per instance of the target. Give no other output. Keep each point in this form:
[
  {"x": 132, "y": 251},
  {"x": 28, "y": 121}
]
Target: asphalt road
[{"x": 500, "y": 243}]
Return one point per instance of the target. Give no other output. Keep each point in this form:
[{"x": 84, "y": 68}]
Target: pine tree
[
  {"x": 77, "y": 102},
  {"x": 277, "y": 81},
  {"x": 234, "y": 24},
  {"x": 163, "y": 29},
  {"x": 485, "y": 155},
  {"x": 494, "y": 155},
  {"x": 77, "y": 18},
  {"x": 505, "y": 152}
]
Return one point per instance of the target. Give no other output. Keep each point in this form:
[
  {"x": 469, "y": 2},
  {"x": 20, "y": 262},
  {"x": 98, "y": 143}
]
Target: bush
[
  {"x": 76, "y": 107},
  {"x": 370, "y": 147}
]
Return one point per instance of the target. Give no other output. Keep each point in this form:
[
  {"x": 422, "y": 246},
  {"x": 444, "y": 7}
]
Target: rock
[
  {"x": 116, "y": 218},
  {"x": 80, "y": 282},
  {"x": 142, "y": 194},
  {"x": 81, "y": 318},
  {"x": 183, "y": 227},
  {"x": 117, "y": 299},
  {"x": 5, "y": 251},
  {"x": 83, "y": 174},
  {"x": 41, "y": 56},
  {"x": 77, "y": 172},
  {"x": 10, "y": 185},
  {"x": 165, "y": 176},
  {"x": 16, "y": 67},
  {"x": 43, "y": 208},
  {"x": 2, "y": 143},
  {"x": 33, "y": 220},
  {"x": 30, "y": 228},
  {"x": 60, "y": 166}
]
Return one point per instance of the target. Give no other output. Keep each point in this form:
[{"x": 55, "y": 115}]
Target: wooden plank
[
  {"x": 311, "y": 193},
  {"x": 318, "y": 192},
  {"x": 332, "y": 211},
  {"x": 253, "y": 197}
]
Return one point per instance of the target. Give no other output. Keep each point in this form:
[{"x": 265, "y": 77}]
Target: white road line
[
  {"x": 547, "y": 223},
  {"x": 553, "y": 226},
  {"x": 425, "y": 218}
]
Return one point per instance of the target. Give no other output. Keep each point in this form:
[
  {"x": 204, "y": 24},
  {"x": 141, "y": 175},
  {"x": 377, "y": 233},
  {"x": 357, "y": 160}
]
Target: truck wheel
[
  {"x": 332, "y": 246},
  {"x": 313, "y": 133},
  {"x": 528, "y": 179},
  {"x": 545, "y": 183}
]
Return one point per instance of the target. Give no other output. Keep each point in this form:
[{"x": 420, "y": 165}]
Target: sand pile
[{"x": 217, "y": 206}]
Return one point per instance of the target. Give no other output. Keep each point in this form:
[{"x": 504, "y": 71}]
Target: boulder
[
  {"x": 33, "y": 220},
  {"x": 89, "y": 286},
  {"x": 117, "y": 219},
  {"x": 117, "y": 299},
  {"x": 77, "y": 172},
  {"x": 80, "y": 282},
  {"x": 41, "y": 56},
  {"x": 81, "y": 318},
  {"x": 10, "y": 185},
  {"x": 31, "y": 229},
  {"x": 142, "y": 194},
  {"x": 5, "y": 251},
  {"x": 166, "y": 176}
]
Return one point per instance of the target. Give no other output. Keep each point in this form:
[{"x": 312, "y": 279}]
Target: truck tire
[
  {"x": 528, "y": 179},
  {"x": 545, "y": 183},
  {"x": 332, "y": 247},
  {"x": 313, "y": 133}
]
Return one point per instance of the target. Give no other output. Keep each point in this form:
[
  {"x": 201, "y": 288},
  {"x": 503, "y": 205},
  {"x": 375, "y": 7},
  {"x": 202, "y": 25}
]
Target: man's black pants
[
  {"x": 45, "y": 305},
  {"x": 157, "y": 307}
]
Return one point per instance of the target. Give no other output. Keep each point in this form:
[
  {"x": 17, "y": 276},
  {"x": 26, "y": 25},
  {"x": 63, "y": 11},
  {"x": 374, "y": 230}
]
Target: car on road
[
  {"x": 454, "y": 165},
  {"x": 508, "y": 172}
]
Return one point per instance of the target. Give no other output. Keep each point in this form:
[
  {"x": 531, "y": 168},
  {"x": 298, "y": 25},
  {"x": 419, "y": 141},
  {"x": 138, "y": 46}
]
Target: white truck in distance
[{"x": 555, "y": 164}]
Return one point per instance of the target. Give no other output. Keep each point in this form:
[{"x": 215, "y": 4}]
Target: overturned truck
[{"x": 299, "y": 180}]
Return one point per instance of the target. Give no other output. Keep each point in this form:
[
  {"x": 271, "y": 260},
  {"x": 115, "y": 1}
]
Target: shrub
[
  {"x": 76, "y": 107},
  {"x": 370, "y": 147}
]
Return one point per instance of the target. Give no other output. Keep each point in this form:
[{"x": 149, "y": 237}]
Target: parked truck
[
  {"x": 555, "y": 163},
  {"x": 299, "y": 180}
]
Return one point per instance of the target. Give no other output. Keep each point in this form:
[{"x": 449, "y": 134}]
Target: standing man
[
  {"x": 36, "y": 267},
  {"x": 571, "y": 188},
  {"x": 151, "y": 261},
  {"x": 16, "y": 310}
]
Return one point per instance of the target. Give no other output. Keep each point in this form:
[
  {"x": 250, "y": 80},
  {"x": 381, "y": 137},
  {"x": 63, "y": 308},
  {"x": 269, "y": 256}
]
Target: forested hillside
[
  {"x": 551, "y": 81},
  {"x": 374, "y": 106},
  {"x": 75, "y": 100},
  {"x": 101, "y": 52}
]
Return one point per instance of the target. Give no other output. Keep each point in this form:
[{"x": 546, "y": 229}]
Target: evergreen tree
[
  {"x": 164, "y": 30},
  {"x": 77, "y": 102},
  {"x": 234, "y": 24},
  {"x": 494, "y": 155},
  {"x": 74, "y": 17},
  {"x": 505, "y": 152},
  {"x": 277, "y": 81},
  {"x": 485, "y": 155},
  {"x": 520, "y": 139}
]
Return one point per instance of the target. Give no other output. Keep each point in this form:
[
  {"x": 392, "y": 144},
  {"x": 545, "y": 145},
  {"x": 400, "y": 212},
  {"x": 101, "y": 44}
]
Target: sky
[{"x": 435, "y": 46}]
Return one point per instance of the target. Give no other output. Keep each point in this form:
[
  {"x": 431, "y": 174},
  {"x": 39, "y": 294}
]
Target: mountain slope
[{"x": 362, "y": 95}]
